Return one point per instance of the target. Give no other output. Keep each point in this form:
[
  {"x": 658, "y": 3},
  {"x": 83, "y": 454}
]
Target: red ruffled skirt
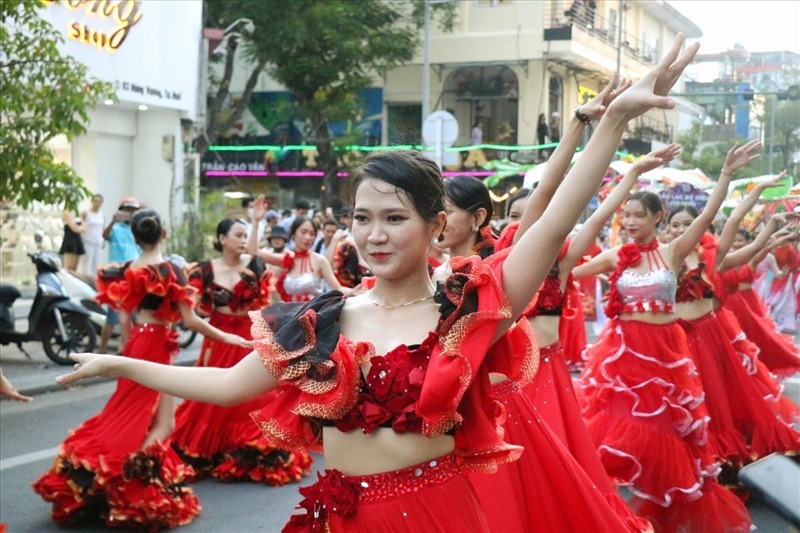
[
  {"x": 742, "y": 426},
  {"x": 224, "y": 441},
  {"x": 777, "y": 350},
  {"x": 767, "y": 384},
  {"x": 101, "y": 468},
  {"x": 552, "y": 394},
  {"x": 545, "y": 490},
  {"x": 431, "y": 496},
  {"x": 752, "y": 300},
  {"x": 643, "y": 404}
]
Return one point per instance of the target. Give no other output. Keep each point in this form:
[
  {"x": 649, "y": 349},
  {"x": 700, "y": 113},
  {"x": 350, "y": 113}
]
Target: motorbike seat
[{"x": 8, "y": 294}]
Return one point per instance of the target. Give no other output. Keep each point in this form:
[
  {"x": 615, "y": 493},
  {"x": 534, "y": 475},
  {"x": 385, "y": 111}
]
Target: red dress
[
  {"x": 643, "y": 403},
  {"x": 101, "y": 467},
  {"x": 439, "y": 387},
  {"x": 743, "y": 427},
  {"x": 224, "y": 441},
  {"x": 777, "y": 350}
]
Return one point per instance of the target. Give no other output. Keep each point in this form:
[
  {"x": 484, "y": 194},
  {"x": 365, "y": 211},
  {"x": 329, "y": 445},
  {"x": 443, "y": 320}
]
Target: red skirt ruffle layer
[
  {"x": 552, "y": 394},
  {"x": 777, "y": 350},
  {"x": 224, "y": 441},
  {"x": 742, "y": 428},
  {"x": 546, "y": 490},
  {"x": 767, "y": 384},
  {"x": 101, "y": 469},
  {"x": 643, "y": 404}
]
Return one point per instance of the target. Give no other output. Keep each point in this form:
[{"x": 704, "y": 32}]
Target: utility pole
[
  {"x": 619, "y": 37},
  {"x": 426, "y": 64}
]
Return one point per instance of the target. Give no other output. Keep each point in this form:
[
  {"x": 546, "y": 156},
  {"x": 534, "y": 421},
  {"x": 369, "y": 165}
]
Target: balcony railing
[{"x": 563, "y": 17}]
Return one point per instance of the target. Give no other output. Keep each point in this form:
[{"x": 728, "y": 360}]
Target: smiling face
[
  {"x": 390, "y": 234},
  {"x": 640, "y": 223},
  {"x": 739, "y": 241},
  {"x": 679, "y": 223}
]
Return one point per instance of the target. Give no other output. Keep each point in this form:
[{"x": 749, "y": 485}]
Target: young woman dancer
[
  {"x": 579, "y": 495},
  {"x": 743, "y": 426},
  {"x": 642, "y": 399},
  {"x": 399, "y": 428},
  {"x": 118, "y": 464},
  {"x": 224, "y": 441},
  {"x": 303, "y": 270}
]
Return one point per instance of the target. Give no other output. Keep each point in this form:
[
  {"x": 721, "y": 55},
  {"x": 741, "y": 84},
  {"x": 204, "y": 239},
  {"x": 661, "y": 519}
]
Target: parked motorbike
[{"x": 62, "y": 325}]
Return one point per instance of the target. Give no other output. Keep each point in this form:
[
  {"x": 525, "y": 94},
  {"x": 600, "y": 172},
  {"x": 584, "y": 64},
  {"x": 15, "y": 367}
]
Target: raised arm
[
  {"x": 592, "y": 227},
  {"x": 600, "y": 264},
  {"x": 246, "y": 380},
  {"x": 531, "y": 258},
  {"x": 561, "y": 157},
  {"x": 738, "y": 156},
  {"x": 766, "y": 238},
  {"x": 737, "y": 215},
  {"x": 259, "y": 210}
]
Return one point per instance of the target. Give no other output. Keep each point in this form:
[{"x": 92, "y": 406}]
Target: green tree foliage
[
  {"x": 322, "y": 52},
  {"x": 43, "y": 94}
]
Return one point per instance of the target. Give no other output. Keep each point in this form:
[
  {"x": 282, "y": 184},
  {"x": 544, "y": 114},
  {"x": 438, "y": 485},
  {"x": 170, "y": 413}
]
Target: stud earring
[
  {"x": 474, "y": 228},
  {"x": 434, "y": 241}
]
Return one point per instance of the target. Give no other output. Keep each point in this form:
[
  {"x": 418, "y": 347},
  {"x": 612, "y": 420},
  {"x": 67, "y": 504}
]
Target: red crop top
[
  {"x": 159, "y": 288},
  {"x": 437, "y": 388},
  {"x": 693, "y": 285},
  {"x": 730, "y": 281},
  {"x": 746, "y": 274},
  {"x": 550, "y": 299},
  {"x": 250, "y": 293},
  {"x": 389, "y": 392}
]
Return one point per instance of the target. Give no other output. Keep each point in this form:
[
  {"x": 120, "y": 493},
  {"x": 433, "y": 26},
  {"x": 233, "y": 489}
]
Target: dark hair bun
[{"x": 147, "y": 227}]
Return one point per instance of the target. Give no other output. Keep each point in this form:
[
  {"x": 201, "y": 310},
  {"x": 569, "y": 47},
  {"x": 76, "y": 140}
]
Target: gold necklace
[{"x": 400, "y": 305}]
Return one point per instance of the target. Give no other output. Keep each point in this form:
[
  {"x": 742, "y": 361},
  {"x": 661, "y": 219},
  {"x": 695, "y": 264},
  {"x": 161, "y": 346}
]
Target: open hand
[
  {"x": 236, "y": 340},
  {"x": 259, "y": 208},
  {"x": 595, "y": 108},
  {"x": 9, "y": 391},
  {"x": 651, "y": 91},
  {"x": 774, "y": 182},
  {"x": 657, "y": 158},
  {"x": 89, "y": 365},
  {"x": 739, "y": 156}
]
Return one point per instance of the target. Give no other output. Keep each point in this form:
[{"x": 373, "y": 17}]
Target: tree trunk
[{"x": 326, "y": 160}]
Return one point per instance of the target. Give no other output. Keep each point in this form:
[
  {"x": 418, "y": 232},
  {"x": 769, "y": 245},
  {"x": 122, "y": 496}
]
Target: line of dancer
[{"x": 441, "y": 398}]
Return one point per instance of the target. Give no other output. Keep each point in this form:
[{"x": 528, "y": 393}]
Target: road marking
[{"x": 27, "y": 458}]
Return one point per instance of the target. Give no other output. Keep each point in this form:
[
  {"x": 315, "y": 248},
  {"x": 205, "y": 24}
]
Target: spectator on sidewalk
[{"x": 121, "y": 249}]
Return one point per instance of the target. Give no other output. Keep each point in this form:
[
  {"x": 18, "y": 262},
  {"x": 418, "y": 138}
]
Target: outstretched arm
[
  {"x": 592, "y": 227},
  {"x": 737, "y": 158},
  {"x": 732, "y": 224},
  {"x": 531, "y": 258},
  {"x": 246, "y": 380},
  {"x": 559, "y": 161}
]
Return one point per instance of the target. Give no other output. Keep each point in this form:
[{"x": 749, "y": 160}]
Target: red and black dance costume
[
  {"x": 224, "y": 441},
  {"x": 559, "y": 483},
  {"x": 346, "y": 266},
  {"x": 438, "y": 388},
  {"x": 101, "y": 469},
  {"x": 776, "y": 350},
  {"x": 302, "y": 287},
  {"x": 743, "y": 427},
  {"x": 643, "y": 404}
]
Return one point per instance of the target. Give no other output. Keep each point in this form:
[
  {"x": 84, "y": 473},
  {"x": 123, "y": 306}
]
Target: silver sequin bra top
[
  {"x": 306, "y": 283},
  {"x": 641, "y": 290}
]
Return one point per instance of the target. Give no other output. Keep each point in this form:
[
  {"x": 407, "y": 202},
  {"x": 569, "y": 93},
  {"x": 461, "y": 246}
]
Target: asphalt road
[{"x": 30, "y": 435}]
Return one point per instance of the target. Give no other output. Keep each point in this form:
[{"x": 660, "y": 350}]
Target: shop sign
[{"x": 123, "y": 14}]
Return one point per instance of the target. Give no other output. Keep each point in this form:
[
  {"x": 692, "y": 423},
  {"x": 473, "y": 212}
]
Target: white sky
[{"x": 759, "y": 25}]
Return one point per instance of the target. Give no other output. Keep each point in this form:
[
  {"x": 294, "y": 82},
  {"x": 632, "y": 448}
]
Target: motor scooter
[{"x": 62, "y": 325}]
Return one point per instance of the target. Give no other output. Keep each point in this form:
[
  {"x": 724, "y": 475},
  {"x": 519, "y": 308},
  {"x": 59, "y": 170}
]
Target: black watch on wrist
[{"x": 582, "y": 117}]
